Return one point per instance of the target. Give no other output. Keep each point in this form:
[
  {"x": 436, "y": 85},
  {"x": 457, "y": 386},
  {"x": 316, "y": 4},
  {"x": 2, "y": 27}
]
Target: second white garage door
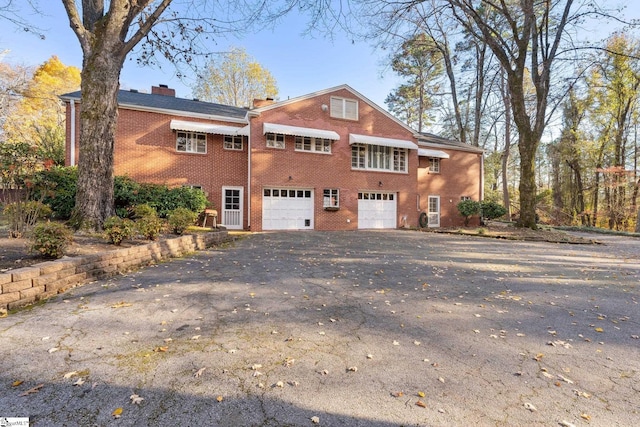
[
  {"x": 377, "y": 210},
  {"x": 287, "y": 209}
]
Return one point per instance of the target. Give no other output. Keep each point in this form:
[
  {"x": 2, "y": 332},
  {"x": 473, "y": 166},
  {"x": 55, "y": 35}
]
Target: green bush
[
  {"x": 467, "y": 209},
  {"x": 147, "y": 222},
  {"x": 23, "y": 215},
  {"x": 181, "y": 218},
  {"x": 163, "y": 199},
  {"x": 492, "y": 210},
  {"x": 50, "y": 239},
  {"x": 117, "y": 229},
  {"x": 57, "y": 188}
]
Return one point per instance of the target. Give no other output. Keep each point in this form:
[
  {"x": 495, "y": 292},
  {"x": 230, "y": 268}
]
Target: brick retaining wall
[{"x": 24, "y": 286}]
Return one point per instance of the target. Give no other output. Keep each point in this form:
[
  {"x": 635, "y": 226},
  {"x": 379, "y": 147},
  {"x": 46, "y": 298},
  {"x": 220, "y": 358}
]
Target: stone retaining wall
[{"x": 24, "y": 286}]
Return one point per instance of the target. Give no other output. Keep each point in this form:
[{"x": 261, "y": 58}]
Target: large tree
[
  {"x": 38, "y": 116},
  {"x": 108, "y": 31},
  {"x": 235, "y": 78},
  {"x": 419, "y": 62},
  {"x": 527, "y": 39}
]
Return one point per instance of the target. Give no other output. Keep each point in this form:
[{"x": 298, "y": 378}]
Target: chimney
[
  {"x": 257, "y": 103},
  {"x": 163, "y": 90}
]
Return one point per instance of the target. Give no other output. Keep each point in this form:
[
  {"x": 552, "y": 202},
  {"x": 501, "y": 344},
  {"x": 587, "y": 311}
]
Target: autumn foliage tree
[
  {"x": 235, "y": 78},
  {"x": 38, "y": 115}
]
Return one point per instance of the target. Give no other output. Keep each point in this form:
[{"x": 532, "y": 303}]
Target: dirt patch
[
  {"x": 14, "y": 252},
  {"x": 509, "y": 232}
]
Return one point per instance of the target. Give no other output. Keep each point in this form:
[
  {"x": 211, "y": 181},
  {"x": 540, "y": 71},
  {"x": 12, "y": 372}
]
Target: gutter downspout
[
  {"x": 482, "y": 177},
  {"x": 249, "y": 178},
  {"x": 72, "y": 139}
]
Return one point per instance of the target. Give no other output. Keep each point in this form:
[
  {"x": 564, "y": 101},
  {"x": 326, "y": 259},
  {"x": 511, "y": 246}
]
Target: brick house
[{"x": 329, "y": 160}]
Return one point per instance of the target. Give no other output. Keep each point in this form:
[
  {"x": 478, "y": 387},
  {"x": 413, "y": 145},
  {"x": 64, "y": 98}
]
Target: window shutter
[
  {"x": 337, "y": 108},
  {"x": 351, "y": 109}
]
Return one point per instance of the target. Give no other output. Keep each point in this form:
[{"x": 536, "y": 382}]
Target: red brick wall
[
  {"x": 145, "y": 150},
  {"x": 273, "y": 167},
  {"x": 460, "y": 175}
]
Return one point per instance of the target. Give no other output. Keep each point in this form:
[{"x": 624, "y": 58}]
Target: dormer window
[{"x": 344, "y": 108}]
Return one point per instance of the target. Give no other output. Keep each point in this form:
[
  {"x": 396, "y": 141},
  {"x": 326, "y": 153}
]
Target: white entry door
[
  {"x": 434, "y": 211},
  {"x": 232, "y": 198},
  {"x": 377, "y": 210}
]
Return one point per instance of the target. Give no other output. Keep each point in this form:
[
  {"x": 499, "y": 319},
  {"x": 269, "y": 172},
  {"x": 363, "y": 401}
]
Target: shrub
[
  {"x": 147, "y": 222},
  {"x": 117, "y": 229},
  {"x": 23, "y": 215},
  {"x": 467, "y": 209},
  {"x": 57, "y": 188},
  {"x": 50, "y": 239},
  {"x": 181, "y": 218},
  {"x": 492, "y": 210},
  {"x": 128, "y": 193}
]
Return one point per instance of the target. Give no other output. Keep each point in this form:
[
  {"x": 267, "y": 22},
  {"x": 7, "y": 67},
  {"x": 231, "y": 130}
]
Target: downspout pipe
[{"x": 72, "y": 139}]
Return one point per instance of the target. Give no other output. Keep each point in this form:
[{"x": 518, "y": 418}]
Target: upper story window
[
  {"x": 317, "y": 145},
  {"x": 378, "y": 157},
  {"x": 343, "y": 108},
  {"x": 434, "y": 165},
  {"x": 191, "y": 142},
  {"x": 275, "y": 140},
  {"x": 233, "y": 142}
]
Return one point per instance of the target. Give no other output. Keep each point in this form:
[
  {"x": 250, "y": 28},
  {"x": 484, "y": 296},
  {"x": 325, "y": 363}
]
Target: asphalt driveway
[{"x": 378, "y": 329}]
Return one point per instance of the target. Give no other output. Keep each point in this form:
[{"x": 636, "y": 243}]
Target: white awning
[
  {"x": 424, "y": 152},
  {"x": 208, "y": 128},
  {"x": 299, "y": 131},
  {"x": 376, "y": 140}
]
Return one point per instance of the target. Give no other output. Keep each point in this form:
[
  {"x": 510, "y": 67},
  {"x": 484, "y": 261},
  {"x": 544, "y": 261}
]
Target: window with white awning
[
  {"x": 208, "y": 128},
  {"x": 299, "y": 131},
  {"x": 425, "y": 152},
  {"x": 377, "y": 140}
]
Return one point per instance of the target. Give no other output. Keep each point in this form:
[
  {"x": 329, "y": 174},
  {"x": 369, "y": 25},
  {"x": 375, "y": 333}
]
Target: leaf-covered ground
[{"x": 375, "y": 329}]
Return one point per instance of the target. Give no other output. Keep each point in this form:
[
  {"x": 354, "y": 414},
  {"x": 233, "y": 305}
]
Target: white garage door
[
  {"x": 287, "y": 209},
  {"x": 377, "y": 210}
]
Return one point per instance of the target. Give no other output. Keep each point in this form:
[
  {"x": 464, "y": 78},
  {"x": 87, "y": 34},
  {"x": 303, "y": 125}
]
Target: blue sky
[{"x": 300, "y": 64}]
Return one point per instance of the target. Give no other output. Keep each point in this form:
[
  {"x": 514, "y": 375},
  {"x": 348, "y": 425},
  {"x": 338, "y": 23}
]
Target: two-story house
[{"x": 329, "y": 160}]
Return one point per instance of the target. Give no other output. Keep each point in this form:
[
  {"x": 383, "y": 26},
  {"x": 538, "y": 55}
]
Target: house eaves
[
  {"x": 174, "y": 106},
  {"x": 434, "y": 141},
  {"x": 357, "y": 94}
]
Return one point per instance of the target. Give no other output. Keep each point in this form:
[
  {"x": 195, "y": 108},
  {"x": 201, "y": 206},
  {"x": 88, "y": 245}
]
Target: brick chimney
[
  {"x": 163, "y": 90},
  {"x": 257, "y": 103}
]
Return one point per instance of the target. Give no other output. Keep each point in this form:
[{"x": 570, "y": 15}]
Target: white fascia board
[
  {"x": 300, "y": 131},
  {"x": 377, "y": 140}
]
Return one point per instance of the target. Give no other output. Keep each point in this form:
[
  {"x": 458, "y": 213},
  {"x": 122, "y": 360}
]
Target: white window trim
[
  {"x": 193, "y": 136},
  {"x": 332, "y": 200},
  {"x": 233, "y": 139},
  {"x": 313, "y": 145},
  {"x": 271, "y": 143},
  {"x": 342, "y": 113},
  {"x": 391, "y": 158},
  {"x": 431, "y": 161}
]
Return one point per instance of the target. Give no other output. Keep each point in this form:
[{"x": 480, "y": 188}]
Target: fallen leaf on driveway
[
  {"x": 599, "y": 330},
  {"x": 117, "y": 412},
  {"x": 315, "y": 420},
  {"x": 69, "y": 374},
  {"x": 33, "y": 390},
  {"x": 530, "y": 407},
  {"x": 16, "y": 383},
  {"x": 121, "y": 304},
  {"x": 135, "y": 399},
  {"x": 421, "y": 394},
  {"x": 160, "y": 349},
  {"x": 79, "y": 382},
  {"x": 421, "y": 404},
  {"x": 199, "y": 372},
  {"x": 53, "y": 350}
]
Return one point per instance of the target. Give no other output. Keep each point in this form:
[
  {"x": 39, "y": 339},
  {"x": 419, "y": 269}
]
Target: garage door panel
[
  {"x": 377, "y": 210},
  {"x": 287, "y": 209}
]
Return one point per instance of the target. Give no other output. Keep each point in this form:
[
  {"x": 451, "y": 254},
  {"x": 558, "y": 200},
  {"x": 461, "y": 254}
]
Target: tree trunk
[
  {"x": 98, "y": 115},
  {"x": 527, "y": 146},
  {"x": 506, "y": 200}
]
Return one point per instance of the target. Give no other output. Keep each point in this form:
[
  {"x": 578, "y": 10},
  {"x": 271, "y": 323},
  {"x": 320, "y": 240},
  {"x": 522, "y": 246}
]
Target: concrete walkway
[{"x": 378, "y": 329}]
